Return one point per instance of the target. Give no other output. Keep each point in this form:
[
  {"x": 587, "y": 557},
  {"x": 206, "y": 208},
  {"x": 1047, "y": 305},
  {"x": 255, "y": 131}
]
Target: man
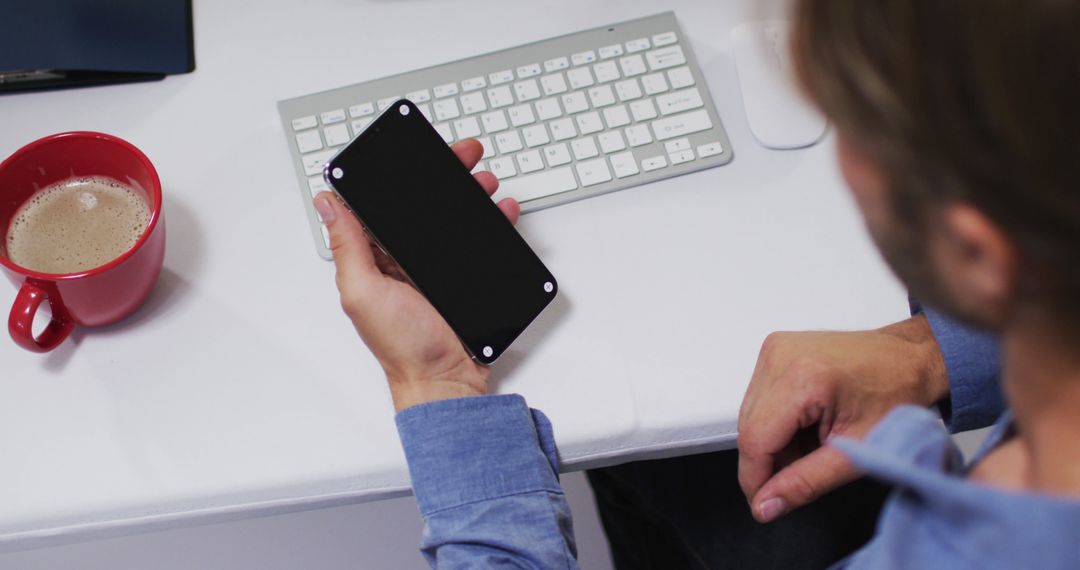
[{"x": 957, "y": 131}]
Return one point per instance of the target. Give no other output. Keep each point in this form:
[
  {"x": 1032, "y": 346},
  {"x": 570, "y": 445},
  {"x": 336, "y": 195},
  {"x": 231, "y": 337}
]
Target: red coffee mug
[{"x": 97, "y": 296}]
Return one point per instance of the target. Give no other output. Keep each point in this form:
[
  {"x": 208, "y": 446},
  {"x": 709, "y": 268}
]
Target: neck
[{"x": 1041, "y": 376}]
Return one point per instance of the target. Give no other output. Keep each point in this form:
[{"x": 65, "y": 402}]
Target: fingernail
[
  {"x": 325, "y": 209},
  {"x": 772, "y": 508}
]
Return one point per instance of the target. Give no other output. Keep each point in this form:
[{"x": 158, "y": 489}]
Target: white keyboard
[{"x": 560, "y": 119}]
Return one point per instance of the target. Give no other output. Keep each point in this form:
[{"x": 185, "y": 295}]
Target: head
[{"x": 958, "y": 128}]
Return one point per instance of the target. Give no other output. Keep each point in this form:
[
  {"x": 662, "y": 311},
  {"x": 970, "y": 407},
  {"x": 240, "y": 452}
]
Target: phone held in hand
[{"x": 428, "y": 213}]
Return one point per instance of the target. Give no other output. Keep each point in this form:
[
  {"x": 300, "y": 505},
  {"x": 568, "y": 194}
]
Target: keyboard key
[
  {"x": 583, "y": 58},
  {"x": 537, "y": 185},
  {"x": 445, "y": 90},
  {"x": 553, "y": 84},
  {"x": 445, "y": 132},
  {"x": 624, "y": 164},
  {"x": 500, "y": 96},
  {"x": 608, "y": 52},
  {"x": 467, "y": 128},
  {"x": 425, "y": 110},
  {"x": 677, "y": 145},
  {"x": 508, "y": 141},
  {"x": 489, "y": 147},
  {"x": 557, "y": 64},
  {"x": 421, "y": 96},
  {"x": 494, "y": 121},
  {"x": 308, "y": 141},
  {"x": 314, "y": 162},
  {"x": 575, "y": 102},
  {"x": 640, "y": 44},
  {"x": 361, "y": 110},
  {"x": 526, "y": 71},
  {"x": 584, "y": 148},
  {"x": 385, "y": 102},
  {"x": 502, "y": 167},
  {"x": 446, "y": 109},
  {"x": 654, "y": 83},
  {"x": 500, "y": 77},
  {"x": 601, "y": 96},
  {"x": 606, "y": 71},
  {"x": 521, "y": 115},
  {"x": 681, "y": 125},
  {"x": 579, "y": 78},
  {"x": 593, "y": 171},
  {"x": 679, "y": 101},
  {"x": 331, "y": 117},
  {"x": 547, "y": 109},
  {"x": 359, "y": 125},
  {"x": 527, "y": 90},
  {"x": 473, "y": 83},
  {"x": 562, "y": 129},
  {"x": 480, "y": 167},
  {"x": 610, "y": 142},
  {"x": 638, "y": 135},
  {"x": 709, "y": 149},
  {"x": 304, "y": 123},
  {"x": 664, "y": 39},
  {"x": 681, "y": 77},
  {"x": 665, "y": 57},
  {"x": 535, "y": 136},
  {"x": 632, "y": 65},
  {"x": 681, "y": 156},
  {"x": 316, "y": 184},
  {"x": 336, "y": 135},
  {"x": 325, "y": 235},
  {"x": 616, "y": 116},
  {"x": 557, "y": 154},
  {"x": 643, "y": 110},
  {"x": 529, "y": 161},
  {"x": 628, "y": 90},
  {"x": 654, "y": 163},
  {"x": 473, "y": 103},
  {"x": 589, "y": 123}
]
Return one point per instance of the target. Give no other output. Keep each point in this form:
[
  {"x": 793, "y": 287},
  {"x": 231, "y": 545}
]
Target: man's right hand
[{"x": 810, "y": 386}]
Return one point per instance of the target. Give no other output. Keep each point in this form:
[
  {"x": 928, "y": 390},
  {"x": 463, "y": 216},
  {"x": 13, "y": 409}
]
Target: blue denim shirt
[{"x": 485, "y": 474}]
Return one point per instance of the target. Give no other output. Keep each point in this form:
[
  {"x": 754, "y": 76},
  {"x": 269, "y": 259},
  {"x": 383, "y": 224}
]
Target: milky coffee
[{"x": 76, "y": 224}]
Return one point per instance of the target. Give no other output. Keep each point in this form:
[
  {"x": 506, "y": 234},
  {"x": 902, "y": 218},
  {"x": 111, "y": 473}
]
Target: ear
[{"x": 977, "y": 261}]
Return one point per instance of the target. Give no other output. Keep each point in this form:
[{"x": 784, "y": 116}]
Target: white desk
[{"x": 241, "y": 388}]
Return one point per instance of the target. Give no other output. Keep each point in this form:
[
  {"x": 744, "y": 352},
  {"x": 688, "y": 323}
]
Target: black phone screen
[{"x": 435, "y": 220}]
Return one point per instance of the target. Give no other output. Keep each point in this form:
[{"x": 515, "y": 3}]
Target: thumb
[
  {"x": 802, "y": 482},
  {"x": 352, "y": 251}
]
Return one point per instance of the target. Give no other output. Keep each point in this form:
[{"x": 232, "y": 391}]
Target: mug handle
[{"x": 21, "y": 320}]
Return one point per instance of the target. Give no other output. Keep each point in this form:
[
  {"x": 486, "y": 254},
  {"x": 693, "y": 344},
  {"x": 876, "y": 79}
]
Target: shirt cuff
[
  {"x": 973, "y": 366},
  {"x": 466, "y": 450}
]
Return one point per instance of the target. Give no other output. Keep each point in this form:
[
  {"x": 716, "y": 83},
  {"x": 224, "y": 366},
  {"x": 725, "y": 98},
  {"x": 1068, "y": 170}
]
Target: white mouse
[{"x": 779, "y": 116}]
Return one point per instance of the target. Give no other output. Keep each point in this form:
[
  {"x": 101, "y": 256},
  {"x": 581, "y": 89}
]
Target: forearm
[
  {"x": 973, "y": 367},
  {"x": 484, "y": 471}
]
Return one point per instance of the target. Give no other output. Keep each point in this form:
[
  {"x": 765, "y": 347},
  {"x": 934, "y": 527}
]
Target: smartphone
[{"x": 427, "y": 212}]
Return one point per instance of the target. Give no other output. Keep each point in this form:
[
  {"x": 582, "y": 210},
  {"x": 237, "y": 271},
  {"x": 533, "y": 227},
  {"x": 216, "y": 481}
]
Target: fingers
[
  {"x": 352, "y": 251},
  {"x": 802, "y": 482},
  {"x": 488, "y": 181},
  {"x": 763, "y": 435},
  {"x": 510, "y": 209},
  {"x": 468, "y": 151}
]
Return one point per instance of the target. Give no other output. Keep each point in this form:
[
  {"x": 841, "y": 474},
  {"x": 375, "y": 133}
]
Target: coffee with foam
[{"x": 76, "y": 225}]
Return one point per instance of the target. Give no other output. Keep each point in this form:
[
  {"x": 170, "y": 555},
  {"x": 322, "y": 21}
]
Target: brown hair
[{"x": 969, "y": 100}]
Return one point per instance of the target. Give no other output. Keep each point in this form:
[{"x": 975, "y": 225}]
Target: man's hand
[
  {"x": 422, "y": 357},
  {"x": 810, "y": 386}
]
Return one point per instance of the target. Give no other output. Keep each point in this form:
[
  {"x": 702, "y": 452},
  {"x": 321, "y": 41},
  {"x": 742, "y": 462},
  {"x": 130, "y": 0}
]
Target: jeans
[{"x": 689, "y": 512}]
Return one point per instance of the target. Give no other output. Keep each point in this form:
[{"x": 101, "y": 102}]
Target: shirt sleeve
[
  {"x": 973, "y": 366},
  {"x": 485, "y": 474}
]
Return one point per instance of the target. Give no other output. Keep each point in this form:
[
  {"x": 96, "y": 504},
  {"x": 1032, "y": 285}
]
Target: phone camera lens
[{"x": 404, "y": 110}]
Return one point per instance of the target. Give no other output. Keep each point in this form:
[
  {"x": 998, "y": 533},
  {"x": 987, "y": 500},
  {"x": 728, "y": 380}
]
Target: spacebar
[{"x": 535, "y": 186}]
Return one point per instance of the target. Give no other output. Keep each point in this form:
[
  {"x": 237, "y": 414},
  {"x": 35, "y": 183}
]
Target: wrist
[
  {"x": 924, "y": 354},
  {"x": 463, "y": 380}
]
